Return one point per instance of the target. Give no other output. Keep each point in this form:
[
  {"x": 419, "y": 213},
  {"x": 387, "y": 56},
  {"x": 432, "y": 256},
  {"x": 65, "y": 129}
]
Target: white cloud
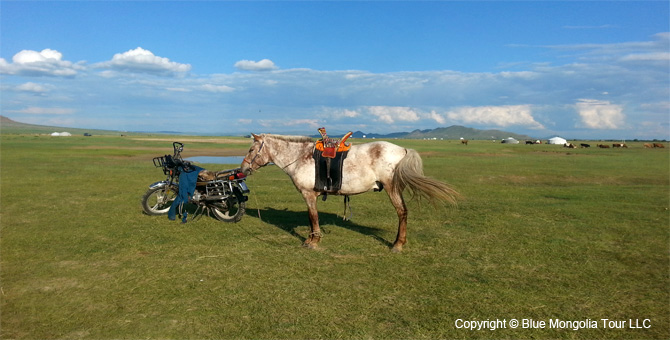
[
  {"x": 33, "y": 87},
  {"x": 34, "y": 110},
  {"x": 301, "y": 123},
  {"x": 437, "y": 117},
  {"x": 312, "y": 123},
  {"x": 501, "y": 116},
  {"x": 656, "y": 56},
  {"x": 178, "y": 89},
  {"x": 48, "y": 62},
  {"x": 391, "y": 114},
  {"x": 144, "y": 61},
  {"x": 587, "y": 27},
  {"x": 651, "y": 50},
  {"x": 263, "y": 65},
  {"x": 350, "y": 113},
  {"x": 217, "y": 88},
  {"x": 600, "y": 114}
]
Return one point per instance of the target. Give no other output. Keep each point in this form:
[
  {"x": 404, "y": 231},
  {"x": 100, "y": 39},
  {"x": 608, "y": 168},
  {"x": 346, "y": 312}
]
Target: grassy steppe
[{"x": 542, "y": 233}]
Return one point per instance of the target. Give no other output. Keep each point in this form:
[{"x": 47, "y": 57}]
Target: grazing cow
[
  {"x": 648, "y": 146},
  {"x": 583, "y": 145},
  {"x": 659, "y": 145},
  {"x": 603, "y": 146},
  {"x": 619, "y": 145},
  {"x": 530, "y": 142},
  {"x": 569, "y": 145}
]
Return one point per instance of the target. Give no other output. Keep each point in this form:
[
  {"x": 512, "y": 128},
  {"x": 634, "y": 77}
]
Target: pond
[{"x": 216, "y": 160}]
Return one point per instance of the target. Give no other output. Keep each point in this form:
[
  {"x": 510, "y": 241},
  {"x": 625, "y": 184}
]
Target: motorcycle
[{"x": 221, "y": 193}]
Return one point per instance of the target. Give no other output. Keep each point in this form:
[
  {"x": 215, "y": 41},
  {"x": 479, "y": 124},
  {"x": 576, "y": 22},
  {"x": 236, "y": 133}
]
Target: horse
[
  {"x": 464, "y": 141},
  {"x": 370, "y": 166}
]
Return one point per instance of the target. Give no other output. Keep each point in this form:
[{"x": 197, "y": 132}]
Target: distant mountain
[
  {"x": 457, "y": 132},
  {"x": 452, "y": 132}
]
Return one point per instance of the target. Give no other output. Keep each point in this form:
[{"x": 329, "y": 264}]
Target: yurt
[
  {"x": 510, "y": 140},
  {"x": 557, "y": 140}
]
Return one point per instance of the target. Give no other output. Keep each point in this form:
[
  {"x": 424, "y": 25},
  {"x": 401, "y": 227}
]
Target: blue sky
[{"x": 577, "y": 69}]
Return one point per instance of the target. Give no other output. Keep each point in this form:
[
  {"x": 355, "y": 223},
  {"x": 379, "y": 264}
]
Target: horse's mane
[{"x": 295, "y": 139}]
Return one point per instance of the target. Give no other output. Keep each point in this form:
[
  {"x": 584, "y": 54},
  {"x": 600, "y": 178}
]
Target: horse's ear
[{"x": 256, "y": 137}]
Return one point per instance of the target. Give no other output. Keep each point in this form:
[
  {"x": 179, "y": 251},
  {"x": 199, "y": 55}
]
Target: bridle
[{"x": 253, "y": 160}]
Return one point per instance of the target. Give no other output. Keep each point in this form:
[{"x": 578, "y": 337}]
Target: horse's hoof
[
  {"x": 396, "y": 249},
  {"x": 310, "y": 245}
]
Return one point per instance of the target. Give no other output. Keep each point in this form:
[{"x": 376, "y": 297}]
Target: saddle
[
  {"x": 330, "y": 147},
  {"x": 329, "y": 155}
]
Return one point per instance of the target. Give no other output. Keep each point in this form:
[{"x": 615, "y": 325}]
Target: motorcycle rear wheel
[
  {"x": 157, "y": 201},
  {"x": 229, "y": 210}
]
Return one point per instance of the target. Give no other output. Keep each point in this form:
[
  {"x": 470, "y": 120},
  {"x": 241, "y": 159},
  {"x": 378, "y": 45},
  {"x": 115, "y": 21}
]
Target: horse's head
[{"x": 257, "y": 156}]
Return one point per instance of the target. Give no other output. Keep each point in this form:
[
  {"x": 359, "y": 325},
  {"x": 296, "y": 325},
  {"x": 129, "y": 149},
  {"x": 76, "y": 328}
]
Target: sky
[{"x": 578, "y": 69}]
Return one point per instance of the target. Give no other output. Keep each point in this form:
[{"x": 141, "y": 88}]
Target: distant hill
[
  {"x": 452, "y": 132},
  {"x": 457, "y": 132},
  {"x": 9, "y": 126}
]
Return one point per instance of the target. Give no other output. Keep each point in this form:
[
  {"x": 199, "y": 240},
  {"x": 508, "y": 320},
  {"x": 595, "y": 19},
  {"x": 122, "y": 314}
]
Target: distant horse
[
  {"x": 619, "y": 145},
  {"x": 658, "y": 145},
  {"x": 584, "y": 145},
  {"x": 464, "y": 141},
  {"x": 367, "y": 166},
  {"x": 603, "y": 146}
]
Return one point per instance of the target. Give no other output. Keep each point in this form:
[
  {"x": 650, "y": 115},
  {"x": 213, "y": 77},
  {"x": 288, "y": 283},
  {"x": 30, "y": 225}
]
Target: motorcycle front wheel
[
  {"x": 229, "y": 210},
  {"x": 157, "y": 201}
]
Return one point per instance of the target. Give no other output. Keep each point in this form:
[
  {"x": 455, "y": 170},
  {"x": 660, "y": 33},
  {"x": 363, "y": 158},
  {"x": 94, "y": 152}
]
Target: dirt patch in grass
[
  {"x": 199, "y": 140},
  {"x": 214, "y": 152}
]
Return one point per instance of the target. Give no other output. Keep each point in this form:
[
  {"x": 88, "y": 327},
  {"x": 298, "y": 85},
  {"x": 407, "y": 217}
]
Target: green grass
[{"x": 542, "y": 232}]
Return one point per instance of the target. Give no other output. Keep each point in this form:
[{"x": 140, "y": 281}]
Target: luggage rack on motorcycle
[
  {"x": 164, "y": 162},
  {"x": 167, "y": 162}
]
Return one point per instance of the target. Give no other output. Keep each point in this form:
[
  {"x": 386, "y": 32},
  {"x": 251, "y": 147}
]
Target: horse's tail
[{"x": 409, "y": 174}]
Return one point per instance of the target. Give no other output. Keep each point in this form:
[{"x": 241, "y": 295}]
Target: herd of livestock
[{"x": 615, "y": 145}]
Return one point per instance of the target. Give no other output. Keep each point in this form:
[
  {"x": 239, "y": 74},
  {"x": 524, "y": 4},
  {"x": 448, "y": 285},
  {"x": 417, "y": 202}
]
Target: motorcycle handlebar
[{"x": 178, "y": 148}]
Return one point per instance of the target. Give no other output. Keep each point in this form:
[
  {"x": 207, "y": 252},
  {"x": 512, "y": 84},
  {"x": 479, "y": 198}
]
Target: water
[{"x": 216, "y": 160}]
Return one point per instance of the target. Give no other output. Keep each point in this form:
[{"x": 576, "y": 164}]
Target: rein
[{"x": 256, "y": 156}]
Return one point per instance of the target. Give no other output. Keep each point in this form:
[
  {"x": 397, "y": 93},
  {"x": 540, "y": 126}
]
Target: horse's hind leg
[
  {"x": 315, "y": 235},
  {"x": 400, "y": 207}
]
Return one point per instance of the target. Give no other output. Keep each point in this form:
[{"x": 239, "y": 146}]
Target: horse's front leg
[{"x": 315, "y": 234}]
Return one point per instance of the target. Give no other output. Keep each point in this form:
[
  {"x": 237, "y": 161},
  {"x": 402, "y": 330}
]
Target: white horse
[{"x": 368, "y": 166}]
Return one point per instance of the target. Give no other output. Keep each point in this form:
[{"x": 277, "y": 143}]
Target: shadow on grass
[{"x": 288, "y": 221}]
